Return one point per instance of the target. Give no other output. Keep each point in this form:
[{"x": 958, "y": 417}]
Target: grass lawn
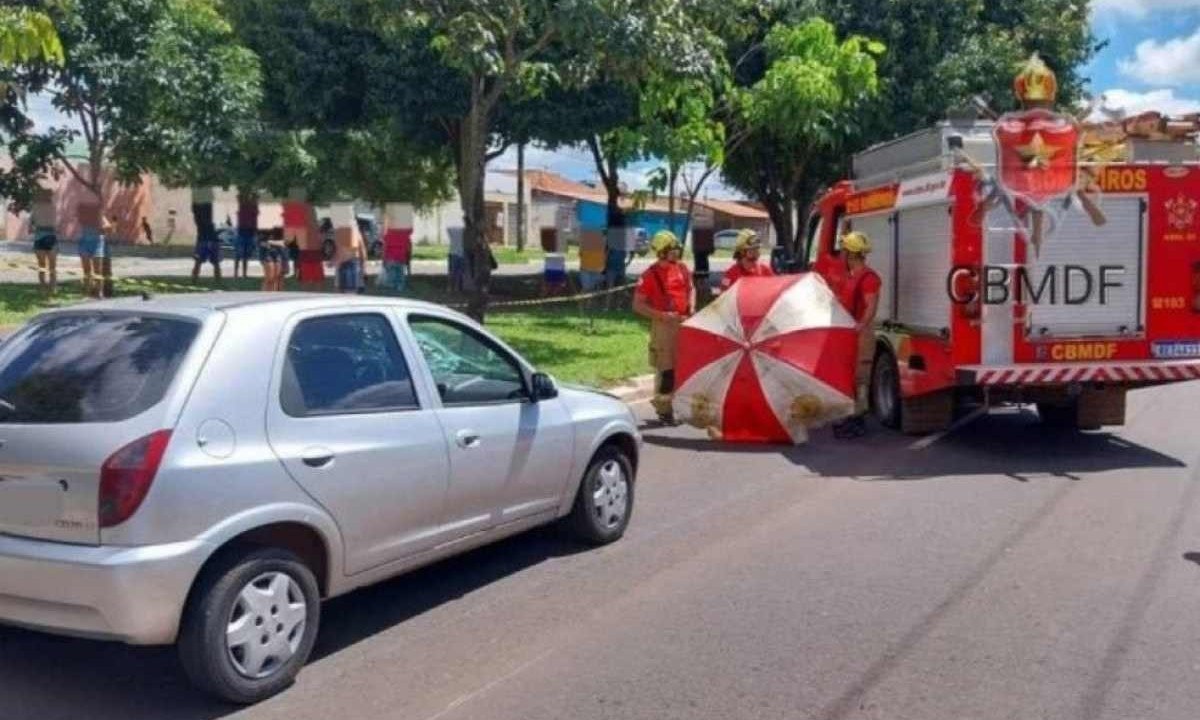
[
  {"x": 504, "y": 255},
  {"x": 573, "y": 343}
]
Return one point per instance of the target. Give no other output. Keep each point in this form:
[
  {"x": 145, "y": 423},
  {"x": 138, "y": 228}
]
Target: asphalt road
[{"x": 1001, "y": 572}]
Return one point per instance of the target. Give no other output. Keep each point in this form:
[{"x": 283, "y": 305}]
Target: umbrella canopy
[{"x": 772, "y": 358}]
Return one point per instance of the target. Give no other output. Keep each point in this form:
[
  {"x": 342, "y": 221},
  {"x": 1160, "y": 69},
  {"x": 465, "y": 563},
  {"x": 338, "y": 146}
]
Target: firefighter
[
  {"x": 859, "y": 293},
  {"x": 746, "y": 251},
  {"x": 666, "y": 296}
]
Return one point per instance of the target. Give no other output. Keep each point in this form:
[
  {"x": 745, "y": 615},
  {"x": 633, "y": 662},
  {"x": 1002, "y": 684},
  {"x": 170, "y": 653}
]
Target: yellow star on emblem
[{"x": 1037, "y": 154}]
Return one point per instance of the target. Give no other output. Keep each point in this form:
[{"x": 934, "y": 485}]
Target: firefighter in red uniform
[
  {"x": 859, "y": 293},
  {"x": 746, "y": 251},
  {"x": 665, "y": 295}
]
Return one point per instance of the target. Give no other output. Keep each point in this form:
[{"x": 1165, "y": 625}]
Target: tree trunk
[
  {"x": 607, "y": 169},
  {"x": 520, "y": 197},
  {"x": 471, "y": 159},
  {"x": 781, "y": 214},
  {"x": 672, "y": 178}
]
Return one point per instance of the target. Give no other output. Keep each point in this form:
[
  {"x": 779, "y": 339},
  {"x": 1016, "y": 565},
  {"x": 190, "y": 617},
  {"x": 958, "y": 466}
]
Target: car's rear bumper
[{"x": 134, "y": 595}]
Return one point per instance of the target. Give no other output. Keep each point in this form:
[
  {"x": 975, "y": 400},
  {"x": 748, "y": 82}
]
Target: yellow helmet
[
  {"x": 663, "y": 241},
  {"x": 746, "y": 239},
  {"x": 856, "y": 242}
]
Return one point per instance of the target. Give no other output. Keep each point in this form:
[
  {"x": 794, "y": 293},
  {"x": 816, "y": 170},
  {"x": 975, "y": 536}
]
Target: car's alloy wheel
[
  {"x": 266, "y": 625},
  {"x": 610, "y": 499},
  {"x": 250, "y": 624},
  {"x": 604, "y": 502}
]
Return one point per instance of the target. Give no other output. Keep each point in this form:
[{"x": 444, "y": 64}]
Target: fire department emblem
[
  {"x": 1038, "y": 153},
  {"x": 1037, "y": 178},
  {"x": 1181, "y": 212}
]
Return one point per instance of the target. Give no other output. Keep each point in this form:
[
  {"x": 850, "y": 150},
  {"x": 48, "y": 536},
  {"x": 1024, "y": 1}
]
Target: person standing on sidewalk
[
  {"x": 666, "y": 296},
  {"x": 859, "y": 293}
]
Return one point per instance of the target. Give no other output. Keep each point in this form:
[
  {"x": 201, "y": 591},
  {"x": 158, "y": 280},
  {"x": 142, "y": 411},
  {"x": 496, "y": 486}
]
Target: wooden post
[{"x": 521, "y": 197}]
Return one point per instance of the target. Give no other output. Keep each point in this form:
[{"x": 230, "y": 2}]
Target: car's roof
[{"x": 199, "y": 304}]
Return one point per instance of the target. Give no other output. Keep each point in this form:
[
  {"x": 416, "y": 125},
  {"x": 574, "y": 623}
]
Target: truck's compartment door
[
  {"x": 878, "y": 228},
  {"x": 1076, "y": 253},
  {"x": 922, "y": 265}
]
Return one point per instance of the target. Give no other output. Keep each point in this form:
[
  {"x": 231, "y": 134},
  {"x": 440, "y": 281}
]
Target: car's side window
[
  {"x": 345, "y": 364},
  {"x": 468, "y": 368}
]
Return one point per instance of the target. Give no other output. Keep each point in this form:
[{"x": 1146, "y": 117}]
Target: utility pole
[{"x": 520, "y": 197}]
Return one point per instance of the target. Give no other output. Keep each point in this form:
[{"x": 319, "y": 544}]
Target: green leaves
[
  {"x": 28, "y": 36},
  {"x": 147, "y": 85},
  {"x": 812, "y": 86}
]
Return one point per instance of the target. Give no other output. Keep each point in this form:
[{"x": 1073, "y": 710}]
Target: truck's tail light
[{"x": 126, "y": 476}]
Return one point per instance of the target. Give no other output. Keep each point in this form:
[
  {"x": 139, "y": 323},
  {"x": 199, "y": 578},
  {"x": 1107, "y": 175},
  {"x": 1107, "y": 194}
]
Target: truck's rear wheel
[{"x": 885, "y": 390}]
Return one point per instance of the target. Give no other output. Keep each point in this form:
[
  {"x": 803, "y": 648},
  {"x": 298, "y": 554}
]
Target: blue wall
[{"x": 594, "y": 216}]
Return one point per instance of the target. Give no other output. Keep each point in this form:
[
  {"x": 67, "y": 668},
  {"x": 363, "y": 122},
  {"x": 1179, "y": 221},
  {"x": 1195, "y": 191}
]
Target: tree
[
  {"x": 798, "y": 114},
  {"x": 27, "y": 36},
  {"x": 142, "y": 82},
  {"x": 685, "y": 128},
  {"x": 460, "y": 67},
  {"x": 315, "y": 127},
  {"x": 939, "y": 59}
]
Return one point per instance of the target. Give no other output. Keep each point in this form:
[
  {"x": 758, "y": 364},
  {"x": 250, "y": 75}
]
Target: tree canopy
[{"x": 144, "y": 83}]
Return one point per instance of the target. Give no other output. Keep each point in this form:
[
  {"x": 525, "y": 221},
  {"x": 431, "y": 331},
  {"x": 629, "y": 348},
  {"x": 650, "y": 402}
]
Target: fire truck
[{"x": 971, "y": 311}]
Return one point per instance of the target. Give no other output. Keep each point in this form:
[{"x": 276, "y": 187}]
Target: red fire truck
[{"x": 970, "y": 311}]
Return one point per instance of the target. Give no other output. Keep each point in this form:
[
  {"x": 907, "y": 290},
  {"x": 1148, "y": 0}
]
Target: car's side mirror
[{"x": 543, "y": 387}]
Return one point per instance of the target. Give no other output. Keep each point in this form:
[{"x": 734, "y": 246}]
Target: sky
[{"x": 1151, "y": 62}]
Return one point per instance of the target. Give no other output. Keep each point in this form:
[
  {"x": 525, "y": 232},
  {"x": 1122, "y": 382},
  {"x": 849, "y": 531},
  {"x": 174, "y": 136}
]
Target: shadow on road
[
  {"x": 1012, "y": 444},
  {"x": 43, "y": 677}
]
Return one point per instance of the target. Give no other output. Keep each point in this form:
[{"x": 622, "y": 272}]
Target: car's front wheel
[
  {"x": 250, "y": 625},
  {"x": 604, "y": 502}
]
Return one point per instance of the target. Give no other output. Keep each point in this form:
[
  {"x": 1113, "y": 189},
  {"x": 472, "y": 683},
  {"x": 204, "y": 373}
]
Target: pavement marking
[
  {"x": 925, "y": 442},
  {"x": 463, "y": 699}
]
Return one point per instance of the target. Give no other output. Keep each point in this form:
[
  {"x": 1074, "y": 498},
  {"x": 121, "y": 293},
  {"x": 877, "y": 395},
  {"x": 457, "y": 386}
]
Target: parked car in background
[
  {"x": 725, "y": 239},
  {"x": 206, "y": 469}
]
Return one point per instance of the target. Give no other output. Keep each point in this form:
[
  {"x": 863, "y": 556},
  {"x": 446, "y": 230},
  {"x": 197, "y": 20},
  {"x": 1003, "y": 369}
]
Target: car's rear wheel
[
  {"x": 604, "y": 502},
  {"x": 250, "y": 625}
]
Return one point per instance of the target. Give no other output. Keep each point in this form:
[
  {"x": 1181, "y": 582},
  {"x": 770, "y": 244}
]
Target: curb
[{"x": 634, "y": 390}]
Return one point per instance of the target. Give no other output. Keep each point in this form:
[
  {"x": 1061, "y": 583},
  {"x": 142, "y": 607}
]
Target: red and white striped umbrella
[{"x": 766, "y": 362}]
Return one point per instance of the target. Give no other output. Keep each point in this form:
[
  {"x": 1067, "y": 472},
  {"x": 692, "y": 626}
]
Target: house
[
  {"x": 167, "y": 210},
  {"x": 713, "y": 216},
  {"x": 565, "y": 209}
]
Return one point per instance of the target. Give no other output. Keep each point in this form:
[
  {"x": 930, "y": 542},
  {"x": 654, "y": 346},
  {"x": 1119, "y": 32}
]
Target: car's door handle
[
  {"x": 317, "y": 458},
  {"x": 467, "y": 439}
]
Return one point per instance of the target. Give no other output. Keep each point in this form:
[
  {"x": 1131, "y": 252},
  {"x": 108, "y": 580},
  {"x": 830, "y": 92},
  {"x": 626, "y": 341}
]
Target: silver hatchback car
[{"x": 205, "y": 469}]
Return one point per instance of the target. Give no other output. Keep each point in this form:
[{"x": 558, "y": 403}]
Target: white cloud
[
  {"x": 1141, "y": 8},
  {"x": 1132, "y": 103},
  {"x": 1175, "y": 61}
]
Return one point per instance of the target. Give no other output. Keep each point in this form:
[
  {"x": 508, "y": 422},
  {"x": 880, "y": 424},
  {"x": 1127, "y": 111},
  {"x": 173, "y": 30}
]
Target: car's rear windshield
[{"x": 88, "y": 368}]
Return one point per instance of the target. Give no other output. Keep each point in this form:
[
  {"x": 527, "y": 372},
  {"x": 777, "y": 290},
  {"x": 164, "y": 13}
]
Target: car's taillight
[{"x": 126, "y": 476}]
